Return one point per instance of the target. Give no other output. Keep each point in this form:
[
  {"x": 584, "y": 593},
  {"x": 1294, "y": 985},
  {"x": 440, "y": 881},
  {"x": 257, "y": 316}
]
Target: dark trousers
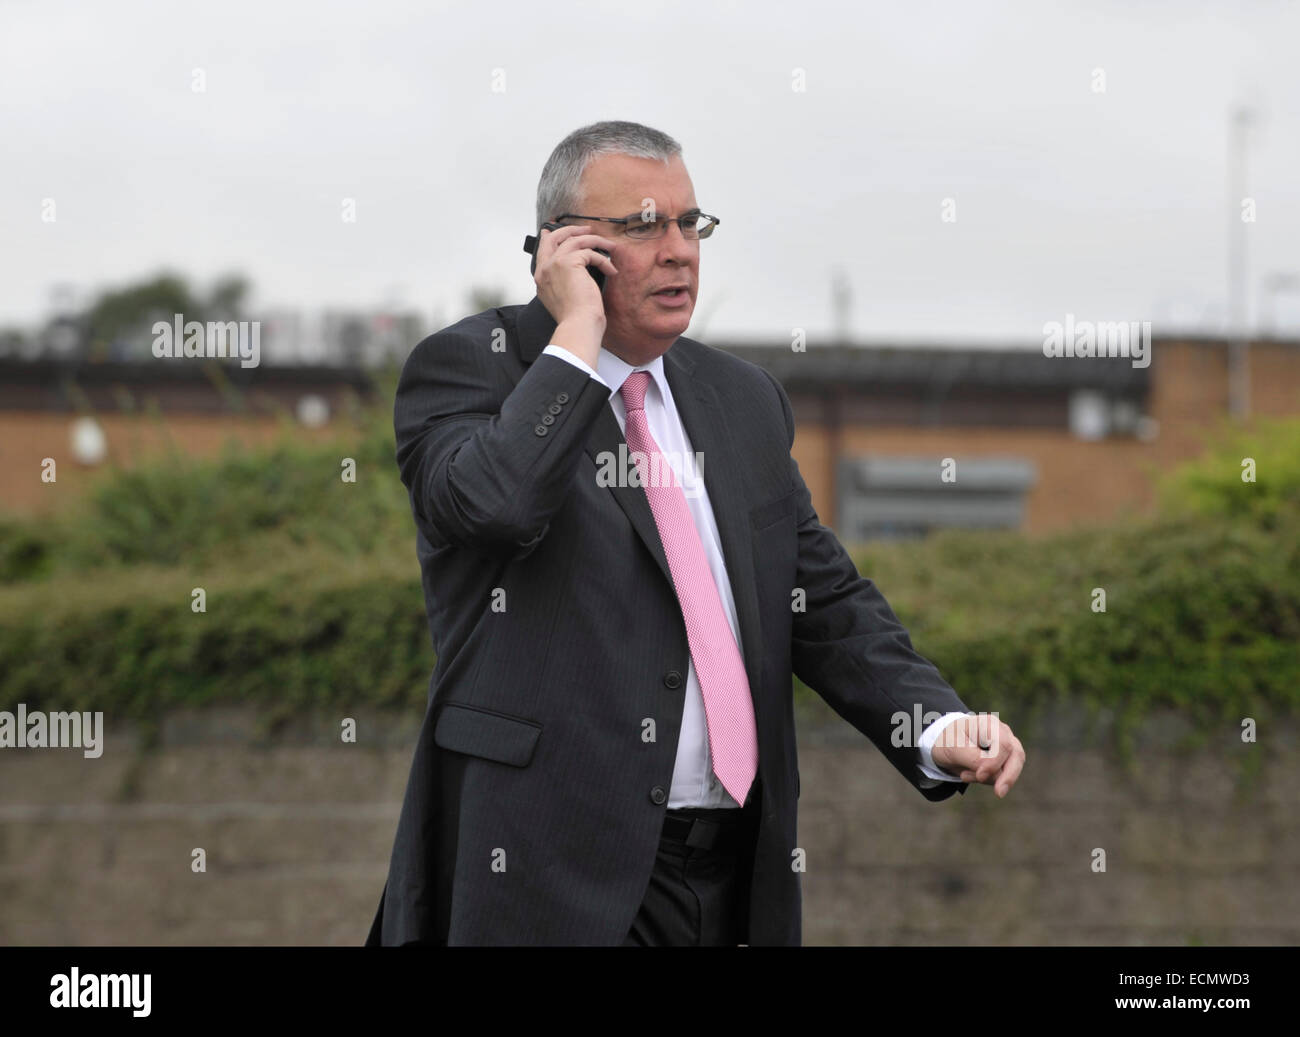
[{"x": 699, "y": 896}]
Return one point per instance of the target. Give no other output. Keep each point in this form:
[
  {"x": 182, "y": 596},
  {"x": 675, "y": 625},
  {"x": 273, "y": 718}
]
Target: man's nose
[{"x": 676, "y": 245}]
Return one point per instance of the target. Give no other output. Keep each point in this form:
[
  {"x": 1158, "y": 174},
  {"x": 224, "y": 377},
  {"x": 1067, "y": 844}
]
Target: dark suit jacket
[{"x": 534, "y": 805}]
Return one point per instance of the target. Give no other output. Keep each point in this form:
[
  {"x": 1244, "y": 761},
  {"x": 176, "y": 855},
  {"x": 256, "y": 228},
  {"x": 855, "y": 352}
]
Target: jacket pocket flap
[{"x": 493, "y": 736}]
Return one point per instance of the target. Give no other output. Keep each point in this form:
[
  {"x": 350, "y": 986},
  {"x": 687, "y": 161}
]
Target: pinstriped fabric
[{"x": 728, "y": 704}]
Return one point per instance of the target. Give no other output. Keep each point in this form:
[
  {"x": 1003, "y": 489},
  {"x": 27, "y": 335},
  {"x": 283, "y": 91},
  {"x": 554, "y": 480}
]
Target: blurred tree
[
  {"x": 118, "y": 321},
  {"x": 115, "y": 315},
  {"x": 227, "y": 298}
]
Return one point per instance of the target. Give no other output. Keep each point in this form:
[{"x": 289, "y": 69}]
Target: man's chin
[
  {"x": 670, "y": 324},
  {"x": 662, "y": 329}
]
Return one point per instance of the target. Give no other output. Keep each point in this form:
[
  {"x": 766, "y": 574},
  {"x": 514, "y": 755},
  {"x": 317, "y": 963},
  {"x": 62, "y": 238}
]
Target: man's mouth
[{"x": 671, "y": 293}]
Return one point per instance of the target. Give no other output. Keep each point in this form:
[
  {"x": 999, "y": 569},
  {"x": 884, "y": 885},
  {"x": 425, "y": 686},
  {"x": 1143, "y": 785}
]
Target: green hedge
[
  {"x": 179, "y": 509},
  {"x": 313, "y": 597},
  {"x": 318, "y": 631},
  {"x": 1214, "y": 484}
]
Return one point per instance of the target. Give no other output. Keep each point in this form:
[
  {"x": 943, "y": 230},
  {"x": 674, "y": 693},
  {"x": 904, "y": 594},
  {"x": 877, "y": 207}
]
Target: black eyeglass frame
[{"x": 707, "y": 231}]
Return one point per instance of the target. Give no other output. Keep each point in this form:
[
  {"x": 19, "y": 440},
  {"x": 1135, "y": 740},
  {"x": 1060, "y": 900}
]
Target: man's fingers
[
  {"x": 1015, "y": 764},
  {"x": 586, "y": 245},
  {"x": 994, "y": 750},
  {"x": 578, "y": 238},
  {"x": 1004, "y": 742},
  {"x": 992, "y": 754},
  {"x": 999, "y": 766},
  {"x": 991, "y": 733},
  {"x": 598, "y": 260},
  {"x": 1008, "y": 770}
]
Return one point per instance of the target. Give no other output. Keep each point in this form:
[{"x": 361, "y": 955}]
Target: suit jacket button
[
  {"x": 562, "y": 397},
  {"x": 555, "y": 408},
  {"x": 658, "y": 796},
  {"x": 673, "y": 679},
  {"x": 548, "y": 419},
  {"x": 539, "y": 430}
]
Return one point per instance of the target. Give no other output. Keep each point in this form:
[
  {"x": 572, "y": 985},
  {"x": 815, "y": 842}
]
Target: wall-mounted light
[
  {"x": 313, "y": 410},
  {"x": 89, "y": 444}
]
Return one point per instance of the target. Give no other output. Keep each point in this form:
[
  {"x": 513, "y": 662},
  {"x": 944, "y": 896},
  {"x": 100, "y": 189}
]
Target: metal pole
[{"x": 1238, "y": 355}]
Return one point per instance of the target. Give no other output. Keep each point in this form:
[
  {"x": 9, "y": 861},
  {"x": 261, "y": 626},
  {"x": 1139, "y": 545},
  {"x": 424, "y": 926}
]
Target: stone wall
[{"x": 297, "y": 828}]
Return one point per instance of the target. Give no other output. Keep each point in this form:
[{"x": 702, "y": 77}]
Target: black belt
[{"x": 705, "y": 829}]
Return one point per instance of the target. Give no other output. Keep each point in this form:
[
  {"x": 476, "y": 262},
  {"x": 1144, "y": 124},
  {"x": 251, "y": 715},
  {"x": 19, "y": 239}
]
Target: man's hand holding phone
[{"x": 568, "y": 290}]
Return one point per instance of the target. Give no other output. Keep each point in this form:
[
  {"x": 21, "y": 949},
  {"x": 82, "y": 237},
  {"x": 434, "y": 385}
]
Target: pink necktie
[{"x": 728, "y": 705}]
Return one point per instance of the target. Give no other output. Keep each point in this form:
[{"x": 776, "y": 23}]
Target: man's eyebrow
[{"x": 689, "y": 212}]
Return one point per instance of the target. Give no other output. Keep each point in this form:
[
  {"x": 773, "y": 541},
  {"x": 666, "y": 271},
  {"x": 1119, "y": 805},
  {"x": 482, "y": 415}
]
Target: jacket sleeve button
[
  {"x": 562, "y": 397},
  {"x": 539, "y": 430}
]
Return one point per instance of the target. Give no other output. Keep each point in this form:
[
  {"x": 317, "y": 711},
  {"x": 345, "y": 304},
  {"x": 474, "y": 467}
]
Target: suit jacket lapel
[
  {"x": 697, "y": 403},
  {"x": 710, "y": 434},
  {"x": 606, "y": 438},
  {"x": 536, "y": 326}
]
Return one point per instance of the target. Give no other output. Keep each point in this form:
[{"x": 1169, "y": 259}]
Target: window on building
[{"x": 906, "y": 497}]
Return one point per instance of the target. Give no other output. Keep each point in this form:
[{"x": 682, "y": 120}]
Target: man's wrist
[
  {"x": 573, "y": 359},
  {"x": 582, "y": 338},
  {"x": 926, "y": 745}
]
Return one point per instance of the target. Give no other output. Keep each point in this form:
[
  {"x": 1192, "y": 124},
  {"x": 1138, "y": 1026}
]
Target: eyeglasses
[{"x": 693, "y": 225}]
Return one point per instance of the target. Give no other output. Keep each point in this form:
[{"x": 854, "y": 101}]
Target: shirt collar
[{"x": 614, "y": 371}]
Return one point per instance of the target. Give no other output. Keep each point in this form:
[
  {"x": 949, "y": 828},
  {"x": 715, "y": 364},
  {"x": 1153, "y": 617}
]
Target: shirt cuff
[
  {"x": 925, "y": 745},
  {"x": 564, "y": 354}
]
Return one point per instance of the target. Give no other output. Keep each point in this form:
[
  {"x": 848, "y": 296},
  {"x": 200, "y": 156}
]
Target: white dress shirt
[{"x": 694, "y": 783}]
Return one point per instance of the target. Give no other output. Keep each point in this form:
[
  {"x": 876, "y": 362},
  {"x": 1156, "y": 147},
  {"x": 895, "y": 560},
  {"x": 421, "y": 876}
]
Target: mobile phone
[{"x": 533, "y": 240}]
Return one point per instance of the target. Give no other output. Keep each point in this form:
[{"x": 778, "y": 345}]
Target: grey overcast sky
[{"x": 1109, "y": 205}]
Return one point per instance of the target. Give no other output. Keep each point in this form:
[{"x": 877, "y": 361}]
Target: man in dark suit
[{"x": 622, "y": 568}]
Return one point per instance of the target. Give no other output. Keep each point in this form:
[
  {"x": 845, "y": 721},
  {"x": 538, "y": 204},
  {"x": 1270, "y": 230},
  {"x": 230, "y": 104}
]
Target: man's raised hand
[{"x": 980, "y": 748}]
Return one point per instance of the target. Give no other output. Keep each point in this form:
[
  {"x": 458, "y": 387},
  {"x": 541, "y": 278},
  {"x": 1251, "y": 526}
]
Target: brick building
[{"x": 1036, "y": 443}]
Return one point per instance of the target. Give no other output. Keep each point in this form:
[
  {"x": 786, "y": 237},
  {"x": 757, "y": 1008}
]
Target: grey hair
[{"x": 559, "y": 189}]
